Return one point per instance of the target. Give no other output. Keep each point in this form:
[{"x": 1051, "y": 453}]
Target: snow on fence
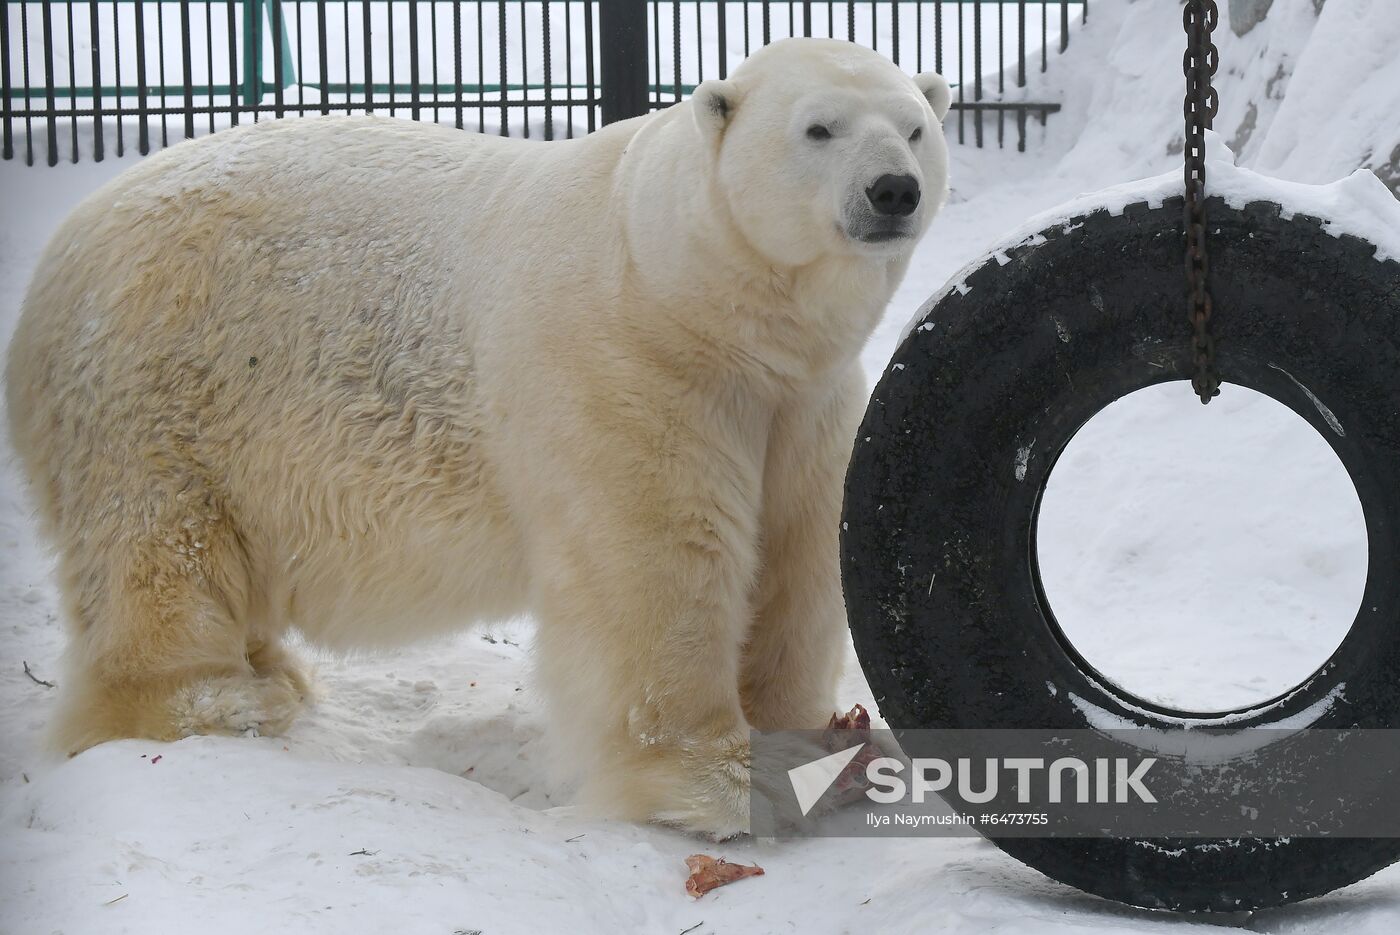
[{"x": 109, "y": 74}]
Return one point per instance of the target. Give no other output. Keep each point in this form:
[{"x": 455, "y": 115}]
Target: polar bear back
[
  {"x": 317, "y": 308},
  {"x": 369, "y": 199},
  {"x": 299, "y": 234}
]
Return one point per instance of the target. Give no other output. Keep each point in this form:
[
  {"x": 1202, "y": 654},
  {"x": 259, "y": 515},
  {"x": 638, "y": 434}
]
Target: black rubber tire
[{"x": 1039, "y": 339}]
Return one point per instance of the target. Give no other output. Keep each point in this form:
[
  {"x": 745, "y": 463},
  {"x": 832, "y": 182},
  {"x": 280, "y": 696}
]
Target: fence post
[{"x": 622, "y": 38}]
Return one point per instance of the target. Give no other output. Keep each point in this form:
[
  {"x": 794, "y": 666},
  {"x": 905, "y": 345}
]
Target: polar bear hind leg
[{"x": 161, "y": 646}]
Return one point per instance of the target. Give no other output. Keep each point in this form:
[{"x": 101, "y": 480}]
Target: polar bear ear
[
  {"x": 935, "y": 88},
  {"x": 714, "y": 102}
]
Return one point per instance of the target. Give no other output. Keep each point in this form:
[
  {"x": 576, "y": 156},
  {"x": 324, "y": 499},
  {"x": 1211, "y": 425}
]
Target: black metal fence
[{"x": 101, "y": 75}]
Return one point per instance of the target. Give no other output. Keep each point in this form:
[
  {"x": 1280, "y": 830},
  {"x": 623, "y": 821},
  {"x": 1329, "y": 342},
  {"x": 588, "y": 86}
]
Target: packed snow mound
[{"x": 1309, "y": 94}]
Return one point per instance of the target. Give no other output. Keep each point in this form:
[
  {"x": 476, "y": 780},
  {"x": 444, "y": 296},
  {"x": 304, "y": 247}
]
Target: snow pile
[
  {"x": 1342, "y": 103},
  {"x": 1310, "y": 94}
]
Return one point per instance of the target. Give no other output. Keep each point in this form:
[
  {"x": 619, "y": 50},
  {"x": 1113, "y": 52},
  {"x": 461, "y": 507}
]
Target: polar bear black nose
[{"x": 895, "y": 195}]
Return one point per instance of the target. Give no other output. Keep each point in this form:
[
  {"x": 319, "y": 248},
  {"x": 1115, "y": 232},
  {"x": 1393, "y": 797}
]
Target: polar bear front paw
[
  {"x": 708, "y": 790},
  {"x": 717, "y": 789}
]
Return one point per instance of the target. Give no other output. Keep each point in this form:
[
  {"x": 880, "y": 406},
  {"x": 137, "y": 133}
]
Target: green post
[
  {"x": 255, "y": 12},
  {"x": 284, "y": 43},
  {"x": 252, "y": 51}
]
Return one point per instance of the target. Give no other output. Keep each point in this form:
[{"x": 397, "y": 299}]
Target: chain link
[{"x": 1199, "y": 65}]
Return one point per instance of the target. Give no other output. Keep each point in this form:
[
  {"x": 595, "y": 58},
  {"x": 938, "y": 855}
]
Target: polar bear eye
[
  {"x": 818, "y": 132},
  {"x": 917, "y": 135}
]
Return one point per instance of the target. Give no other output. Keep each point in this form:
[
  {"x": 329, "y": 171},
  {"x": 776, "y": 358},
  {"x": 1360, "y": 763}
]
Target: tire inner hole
[{"x": 1202, "y": 558}]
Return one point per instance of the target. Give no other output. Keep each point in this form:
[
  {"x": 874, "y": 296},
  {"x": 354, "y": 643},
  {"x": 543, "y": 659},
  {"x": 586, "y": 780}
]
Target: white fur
[{"x": 375, "y": 379}]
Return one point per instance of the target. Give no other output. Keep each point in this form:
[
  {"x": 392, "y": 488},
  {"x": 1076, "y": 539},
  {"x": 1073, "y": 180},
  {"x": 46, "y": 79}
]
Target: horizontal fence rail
[{"x": 104, "y": 75}]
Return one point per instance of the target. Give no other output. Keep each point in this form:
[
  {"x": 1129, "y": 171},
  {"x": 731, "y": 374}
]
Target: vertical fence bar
[
  {"x": 962, "y": 83},
  {"x": 72, "y": 85},
  {"x": 699, "y": 43},
  {"x": 1001, "y": 71},
  {"x": 457, "y": 61},
  {"x": 1064, "y": 25},
  {"x": 252, "y": 52},
  {"x": 300, "y": 69},
  {"x": 71, "y": 50},
  {"x": 918, "y": 37},
  {"x": 209, "y": 63},
  {"x": 546, "y": 15},
  {"x": 367, "y": 27},
  {"x": 656, "y": 49},
  {"x": 1020, "y": 73},
  {"x": 1044, "y": 37},
  {"x": 160, "y": 74},
  {"x": 233, "y": 85},
  {"x": 722, "y": 40},
  {"x": 504, "y": 71},
  {"x": 393, "y": 48},
  {"x": 894, "y": 30},
  {"x": 675, "y": 51},
  {"x": 348, "y": 97},
  {"x": 938, "y": 36},
  {"x": 24, "y": 75},
  {"x": 323, "y": 56},
  {"x": 290, "y": 68},
  {"x": 569, "y": 66},
  {"x": 594, "y": 92},
  {"x": 525, "y": 65},
  {"x": 1020, "y": 43},
  {"x": 143, "y": 133},
  {"x": 7, "y": 109},
  {"x": 524, "y": 70},
  {"x": 279, "y": 67},
  {"x": 186, "y": 56},
  {"x": 414, "y": 97},
  {"x": 117, "y": 79},
  {"x": 434, "y": 81},
  {"x": 209, "y": 60},
  {"x": 1001, "y": 47},
  {"x": 480, "y": 68},
  {"x": 977, "y": 68},
  {"x": 51, "y": 120},
  {"x": 623, "y": 41}
]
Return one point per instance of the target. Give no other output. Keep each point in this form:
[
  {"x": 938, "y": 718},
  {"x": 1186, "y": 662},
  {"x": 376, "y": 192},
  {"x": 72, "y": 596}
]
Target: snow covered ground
[{"x": 415, "y": 796}]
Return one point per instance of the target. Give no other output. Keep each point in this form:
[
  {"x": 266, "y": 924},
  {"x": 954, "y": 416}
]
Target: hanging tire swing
[
  {"x": 943, "y": 591},
  {"x": 947, "y": 610}
]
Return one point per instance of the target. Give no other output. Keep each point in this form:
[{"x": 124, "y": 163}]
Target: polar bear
[{"x": 373, "y": 379}]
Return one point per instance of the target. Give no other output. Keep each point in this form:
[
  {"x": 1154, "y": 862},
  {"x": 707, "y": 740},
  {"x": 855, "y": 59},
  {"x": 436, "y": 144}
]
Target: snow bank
[{"x": 1309, "y": 95}]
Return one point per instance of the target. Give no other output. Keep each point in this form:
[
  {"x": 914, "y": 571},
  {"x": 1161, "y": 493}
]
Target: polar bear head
[{"x": 821, "y": 146}]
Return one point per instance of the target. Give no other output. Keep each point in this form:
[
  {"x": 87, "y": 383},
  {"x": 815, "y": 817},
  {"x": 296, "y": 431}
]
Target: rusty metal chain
[{"x": 1199, "y": 65}]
